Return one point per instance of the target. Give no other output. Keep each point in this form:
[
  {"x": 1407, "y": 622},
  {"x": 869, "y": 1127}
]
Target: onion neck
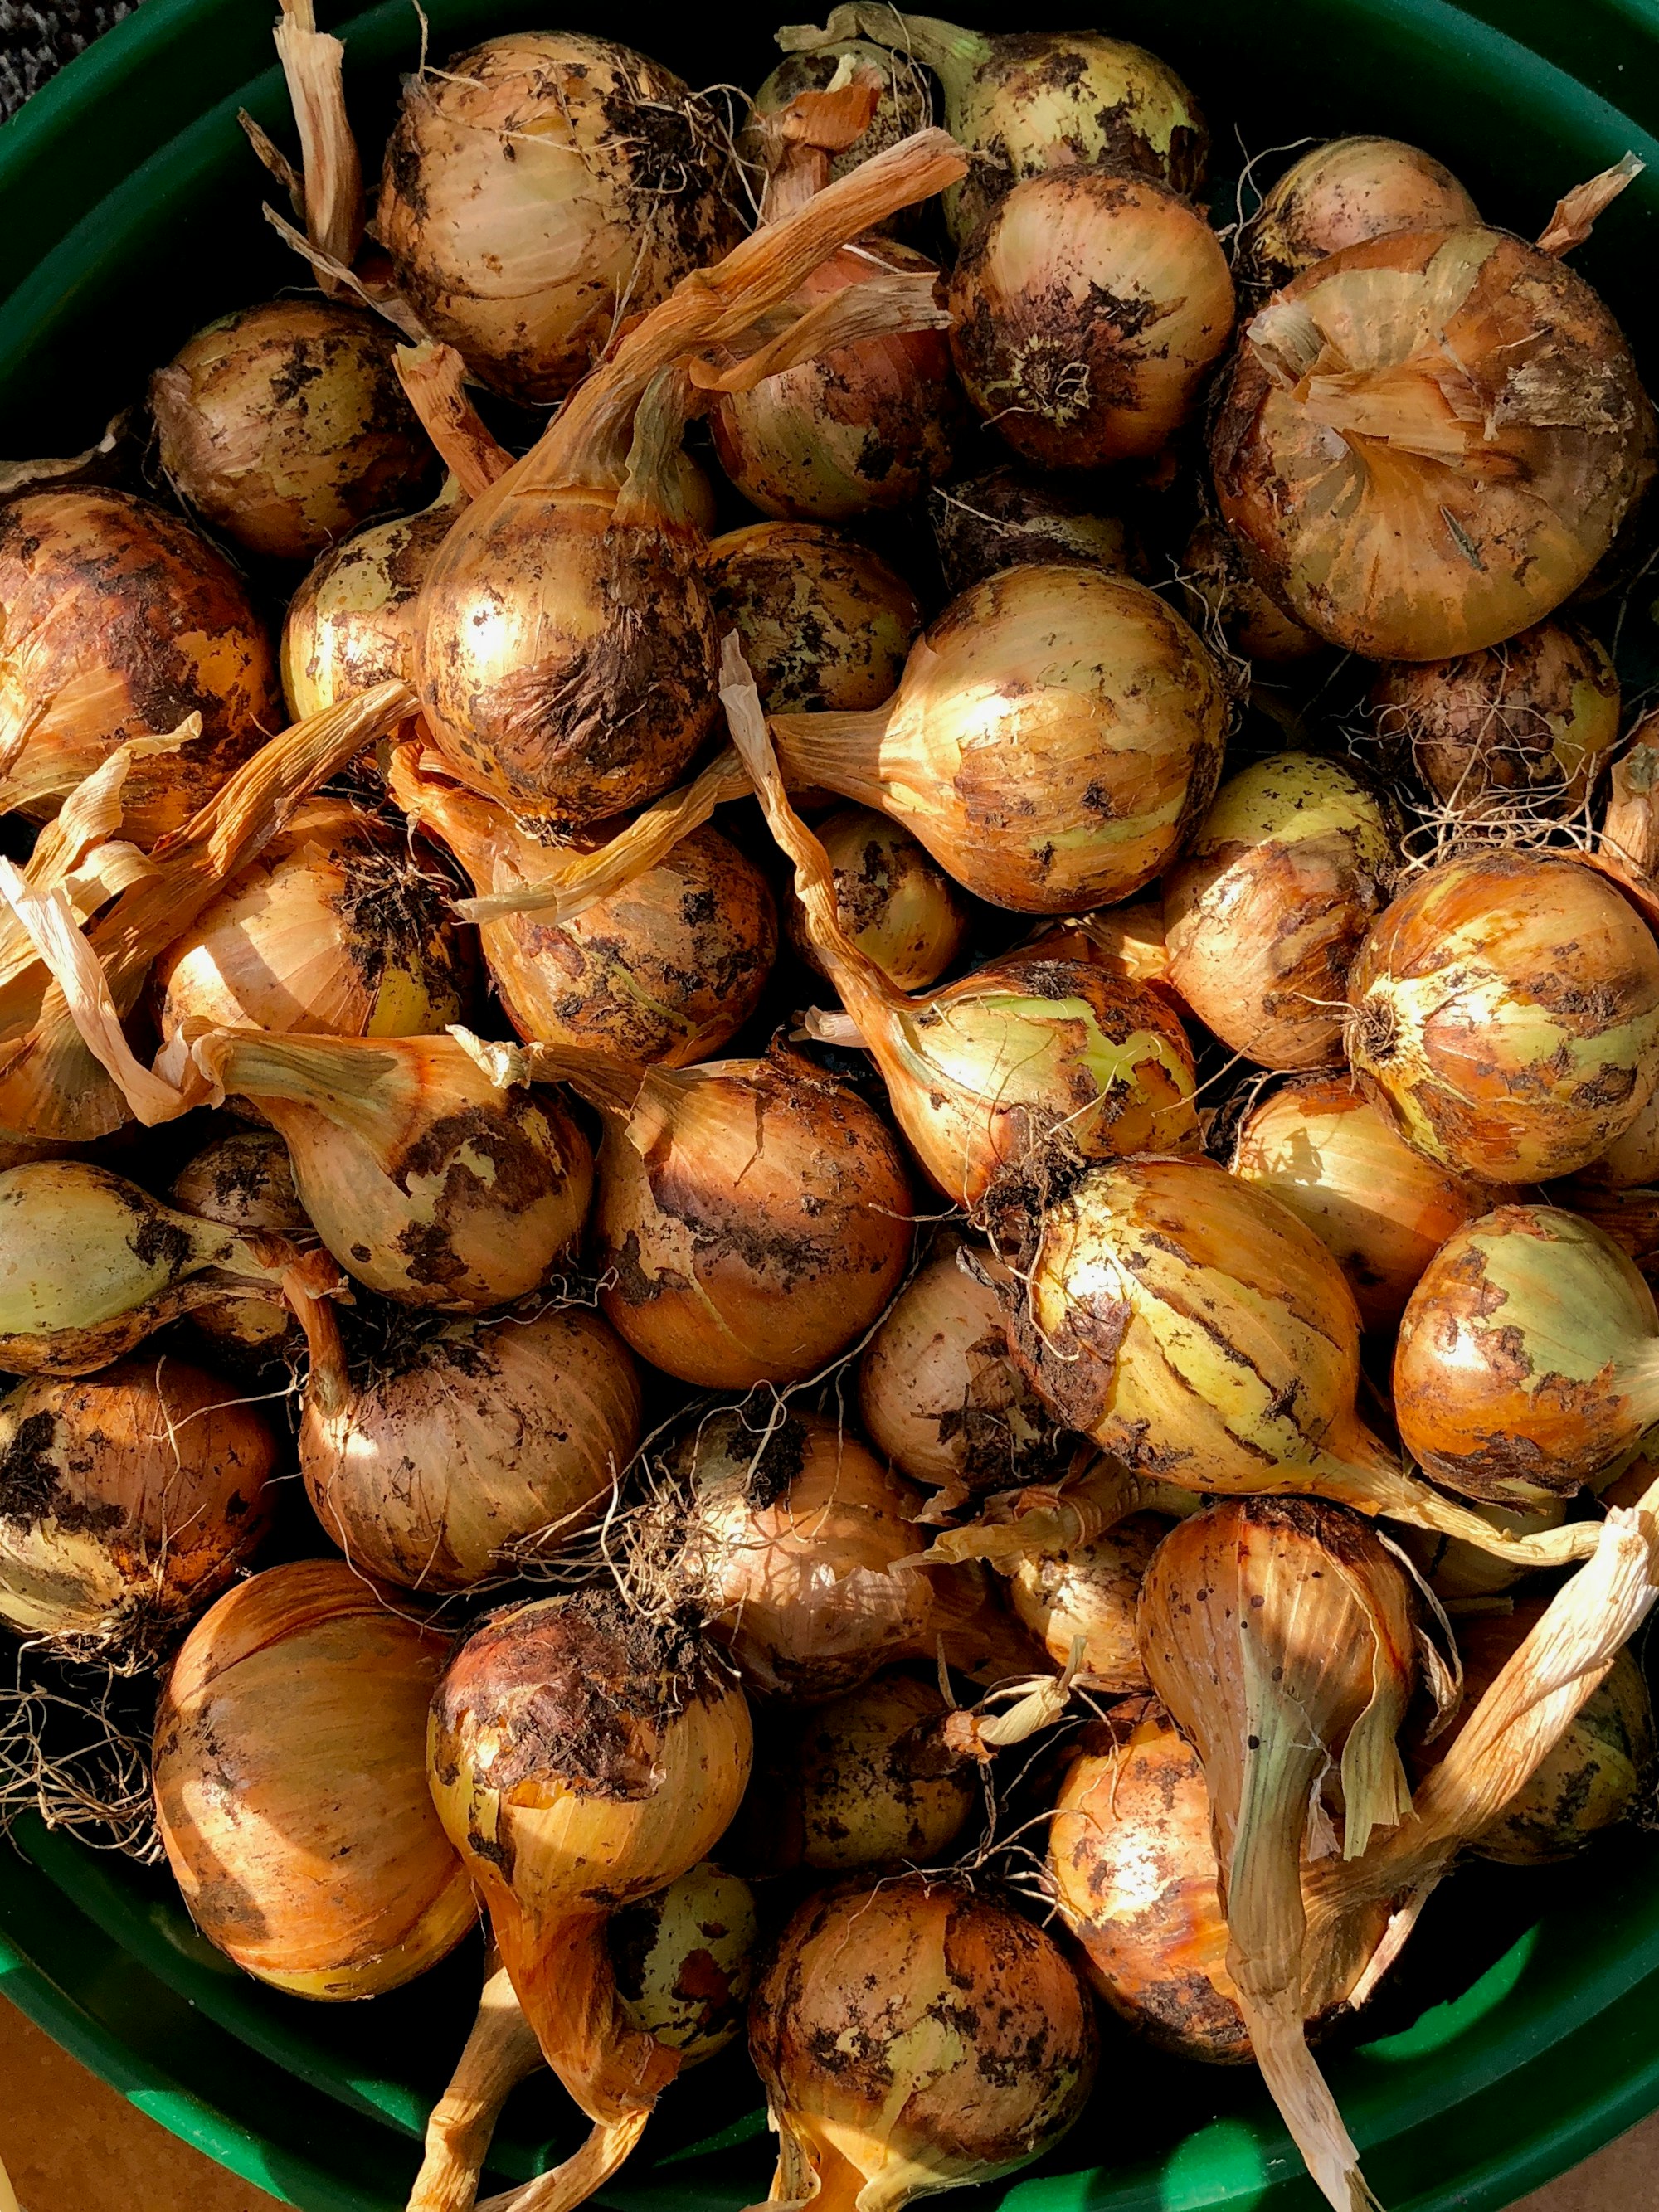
[
  {"x": 379, "y": 1091},
  {"x": 479, "y": 833},
  {"x": 501, "y": 2051},
  {"x": 1050, "y": 1517},
  {"x": 842, "y": 751},
  {"x": 434, "y": 378},
  {"x": 955, "y": 54},
  {"x": 562, "y": 1975},
  {"x": 328, "y": 1387}
]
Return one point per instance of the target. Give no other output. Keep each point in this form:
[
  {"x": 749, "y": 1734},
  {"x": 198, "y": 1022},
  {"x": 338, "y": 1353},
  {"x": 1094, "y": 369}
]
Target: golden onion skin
[
  {"x": 120, "y": 623},
  {"x": 823, "y": 623},
  {"x": 685, "y": 1960},
  {"x": 1252, "y": 620},
  {"x": 245, "y": 1180},
  {"x": 1089, "y": 1596},
  {"x": 1007, "y": 515},
  {"x": 894, "y": 901},
  {"x": 1266, "y": 908},
  {"x": 1344, "y": 192},
  {"x": 1505, "y": 1011},
  {"x": 1377, "y": 547},
  {"x": 1513, "y": 1375},
  {"x": 1085, "y": 310},
  {"x": 284, "y": 425},
  {"x": 539, "y": 185},
  {"x": 904, "y": 105},
  {"x": 350, "y": 625}
]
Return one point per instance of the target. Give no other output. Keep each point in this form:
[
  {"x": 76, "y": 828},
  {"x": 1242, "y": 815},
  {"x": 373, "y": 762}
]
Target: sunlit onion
[
  {"x": 823, "y": 623},
  {"x": 904, "y": 102},
  {"x": 685, "y": 1960},
  {"x": 1344, "y": 192},
  {"x": 350, "y": 625},
  {"x": 896, "y": 903},
  {"x": 244, "y": 1181},
  {"x": 1010, "y": 515},
  {"x": 1088, "y": 1598}
]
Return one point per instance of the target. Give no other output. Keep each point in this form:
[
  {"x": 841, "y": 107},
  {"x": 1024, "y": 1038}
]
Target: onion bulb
[
  {"x": 982, "y": 524},
  {"x": 284, "y": 425},
  {"x": 332, "y": 930},
  {"x": 463, "y": 1444},
  {"x": 1630, "y": 1161},
  {"x": 123, "y": 624},
  {"x": 685, "y": 1960},
  {"x": 127, "y": 1500},
  {"x": 893, "y": 901},
  {"x": 1057, "y": 733},
  {"x": 1505, "y": 1011},
  {"x": 291, "y": 1792},
  {"x": 1126, "y": 941},
  {"x": 904, "y": 103},
  {"x": 538, "y": 187},
  {"x": 1535, "y": 717},
  {"x": 1266, "y": 908},
  {"x": 1428, "y": 476},
  {"x": 1025, "y": 102},
  {"x": 913, "y": 2037},
  {"x": 1251, "y": 619},
  {"x": 939, "y": 1393},
  {"x": 427, "y": 1182},
  {"x": 245, "y": 1182},
  {"x": 1088, "y": 1596},
  {"x": 823, "y": 623},
  {"x": 349, "y": 626},
  {"x": 1085, "y": 309},
  {"x": 1319, "y": 1146},
  {"x": 1344, "y": 192}
]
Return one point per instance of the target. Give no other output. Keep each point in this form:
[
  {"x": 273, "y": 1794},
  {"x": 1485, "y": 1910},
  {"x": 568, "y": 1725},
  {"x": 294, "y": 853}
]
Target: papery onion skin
[
  {"x": 1344, "y": 192},
  {"x": 755, "y": 1229},
  {"x": 284, "y": 425},
  {"x": 245, "y": 1180},
  {"x": 895, "y": 900},
  {"x": 291, "y": 1790},
  {"x": 1251, "y": 619},
  {"x": 685, "y": 1960},
  {"x": 984, "y": 524},
  {"x": 1088, "y": 1596},
  {"x": 349, "y": 626},
  {"x": 125, "y": 623},
  {"x": 537, "y": 185},
  {"x": 127, "y": 1500},
  {"x": 1085, "y": 310},
  {"x": 1517, "y": 1371},
  {"x": 1455, "y": 1570},
  {"x": 904, "y": 104},
  {"x": 1319, "y": 1146},
  {"x": 1377, "y": 549},
  {"x": 824, "y": 623},
  {"x": 1266, "y": 908},
  {"x": 1486, "y": 943}
]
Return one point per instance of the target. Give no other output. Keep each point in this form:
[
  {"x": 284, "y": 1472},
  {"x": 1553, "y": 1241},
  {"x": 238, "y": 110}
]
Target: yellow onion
[
  {"x": 1319, "y": 1146},
  {"x": 127, "y": 1500},
  {"x": 1630, "y": 1162},
  {"x": 996, "y": 520},
  {"x": 538, "y": 187},
  {"x": 284, "y": 425},
  {"x": 939, "y": 1393},
  {"x": 245, "y": 1182},
  {"x": 1630, "y": 826},
  {"x": 427, "y": 1182},
  {"x": 1023, "y": 102},
  {"x": 1505, "y": 1010},
  {"x": 904, "y": 103},
  {"x": 667, "y": 968},
  {"x": 581, "y": 1757},
  {"x": 121, "y": 623},
  {"x": 1085, "y": 309},
  {"x": 1126, "y": 941},
  {"x": 1057, "y": 733},
  {"x": 914, "y": 2037},
  {"x": 1266, "y": 908},
  {"x": 685, "y": 1960},
  {"x": 1536, "y": 716},
  {"x": 1429, "y": 440},
  {"x": 291, "y": 1792},
  {"x": 823, "y": 623},
  {"x": 458, "y": 1446},
  {"x": 1631, "y": 1217},
  {"x": 1528, "y": 1357},
  {"x": 1088, "y": 1597},
  {"x": 1344, "y": 192},
  {"x": 1252, "y": 620},
  {"x": 333, "y": 930},
  {"x": 893, "y": 901},
  {"x": 349, "y": 626}
]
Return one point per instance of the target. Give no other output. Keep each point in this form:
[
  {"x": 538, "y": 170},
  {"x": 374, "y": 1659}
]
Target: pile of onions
[
  {"x": 124, "y": 624},
  {"x": 332, "y": 931},
  {"x": 284, "y": 426},
  {"x": 896, "y": 903},
  {"x": 128, "y": 1499},
  {"x": 1266, "y": 906},
  {"x": 823, "y": 623},
  {"x": 350, "y": 625},
  {"x": 1505, "y": 1010},
  {"x": 245, "y": 1182},
  {"x": 1528, "y": 1359},
  {"x": 1428, "y": 479},
  {"x": 1023, "y": 102},
  {"x": 1008, "y": 515},
  {"x": 291, "y": 1791},
  {"x": 463, "y": 1444},
  {"x": 1535, "y": 717},
  {"x": 915, "y": 2036},
  {"x": 1085, "y": 310},
  {"x": 1057, "y": 731},
  {"x": 1344, "y": 192},
  {"x": 1383, "y": 1211},
  {"x": 1252, "y": 620},
  {"x": 1087, "y": 1598},
  {"x": 538, "y": 186}
]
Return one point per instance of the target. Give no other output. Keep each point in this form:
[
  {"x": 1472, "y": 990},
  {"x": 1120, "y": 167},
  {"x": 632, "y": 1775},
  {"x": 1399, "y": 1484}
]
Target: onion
[
  {"x": 823, "y": 622},
  {"x": 538, "y": 187},
  {"x": 1008, "y": 515},
  {"x": 1630, "y": 1162},
  {"x": 245, "y": 1182},
  {"x": 939, "y": 1393},
  {"x": 1536, "y": 716},
  {"x": 1125, "y": 940},
  {"x": 1088, "y": 1596},
  {"x": 913, "y": 2037},
  {"x": 350, "y": 625},
  {"x": 893, "y": 901},
  {"x": 904, "y": 103},
  {"x": 1505, "y": 1010},
  {"x": 284, "y": 426},
  {"x": 667, "y": 968},
  {"x": 1344, "y": 192},
  {"x": 426, "y": 1180},
  {"x": 1320, "y": 1147},
  {"x": 1086, "y": 307},
  {"x": 685, "y": 1960},
  {"x": 1023, "y": 102},
  {"x": 332, "y": 930},
  {"x": 290, "y": 1791},
  {"x": 462, "y": 1445},
  {"x": 124, "y": 624},
  {"x": 1251, "y": 619},
  {"x": 1057, "y": 733},
  {"x": 1427, "y": 476},
  {"x": 127, "y": 1500}
]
